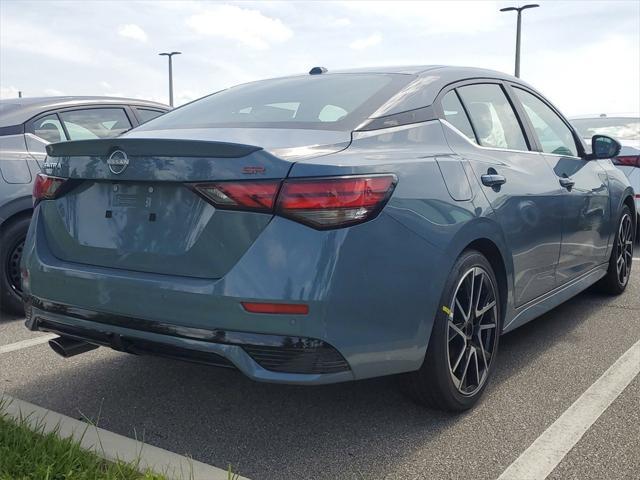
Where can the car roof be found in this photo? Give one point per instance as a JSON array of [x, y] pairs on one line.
[[16, 111], [448, 71], [429, 81]]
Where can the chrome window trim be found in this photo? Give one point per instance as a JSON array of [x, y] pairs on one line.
[[564, 156], [361, 134]]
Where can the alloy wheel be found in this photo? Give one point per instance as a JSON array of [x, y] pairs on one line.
[[472, 330], [624, 254], [12, 267]]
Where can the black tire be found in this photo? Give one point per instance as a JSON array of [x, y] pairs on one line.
[[433, 385], [12, 238], [614, 283]]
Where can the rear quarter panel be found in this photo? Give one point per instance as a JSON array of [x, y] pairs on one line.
[[389, 273]]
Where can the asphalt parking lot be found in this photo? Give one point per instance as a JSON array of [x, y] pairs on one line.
[[360, 430]]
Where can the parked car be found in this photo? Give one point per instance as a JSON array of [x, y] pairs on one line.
[[330, 227], [27, 125], [626, 129]]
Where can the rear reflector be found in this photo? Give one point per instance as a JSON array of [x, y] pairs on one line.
[[46, 187], [322, 203], [255, 196], [627, 161], [278, 308], [325, 203]]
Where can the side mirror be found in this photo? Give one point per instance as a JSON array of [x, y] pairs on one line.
[[604, 147]]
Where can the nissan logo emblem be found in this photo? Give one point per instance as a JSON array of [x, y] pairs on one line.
[[118, 162]]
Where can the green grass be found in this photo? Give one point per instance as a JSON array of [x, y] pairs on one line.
[[26, 452]]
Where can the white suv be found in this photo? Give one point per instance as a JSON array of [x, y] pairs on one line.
[[626, 129]]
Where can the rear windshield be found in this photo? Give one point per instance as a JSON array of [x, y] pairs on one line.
[[618, 127], [327, 102]]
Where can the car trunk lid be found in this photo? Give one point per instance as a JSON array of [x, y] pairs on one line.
[[133, 206]]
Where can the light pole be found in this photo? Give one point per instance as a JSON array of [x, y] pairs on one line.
[[169, 55], [519, 10]]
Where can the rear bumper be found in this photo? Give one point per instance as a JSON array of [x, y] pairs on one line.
[[371, 304], [271, 358]]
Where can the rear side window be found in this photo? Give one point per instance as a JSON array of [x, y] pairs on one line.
[[146, 114], [493, 117], [327, 101], [49, 129], [95, 123], [554, 135], [456, 116]]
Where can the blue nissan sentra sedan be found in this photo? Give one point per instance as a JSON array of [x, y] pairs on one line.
[[329, 227]]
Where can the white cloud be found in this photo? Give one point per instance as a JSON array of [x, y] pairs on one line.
[[184, 96], [133, 31], [53, 92], [599, 91], [29, 38], [8, 92], [366, 42], [105, 84], [341, 22], [249, 27], [430, 17]]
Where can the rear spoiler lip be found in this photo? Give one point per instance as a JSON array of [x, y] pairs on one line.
[[148, 147]]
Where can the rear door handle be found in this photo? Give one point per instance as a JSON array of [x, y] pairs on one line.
[[493, 180], [567, 183]]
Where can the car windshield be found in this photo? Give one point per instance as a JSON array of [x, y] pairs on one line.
[[617, 127], [327, 102]]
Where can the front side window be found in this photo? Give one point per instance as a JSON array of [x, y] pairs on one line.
[[327, 101], [49, 129], [456, 116], [492, 116], [554, 135], [95, 123]]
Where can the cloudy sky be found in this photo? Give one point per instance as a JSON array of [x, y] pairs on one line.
[[584, 55]]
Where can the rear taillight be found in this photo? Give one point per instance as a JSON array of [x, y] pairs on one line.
[[627, 160], [255, 196], [46, 187], [325, 203], [321, 203]]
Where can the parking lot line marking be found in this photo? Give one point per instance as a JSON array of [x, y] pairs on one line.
[[111, 446], [31, 342], [548, 450]]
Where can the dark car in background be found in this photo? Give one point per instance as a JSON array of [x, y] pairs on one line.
[[27, 126]]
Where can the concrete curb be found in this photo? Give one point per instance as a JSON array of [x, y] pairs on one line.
[[112, 446]]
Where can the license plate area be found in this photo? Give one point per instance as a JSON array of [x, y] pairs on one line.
[[137, 196], [133, 217]]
